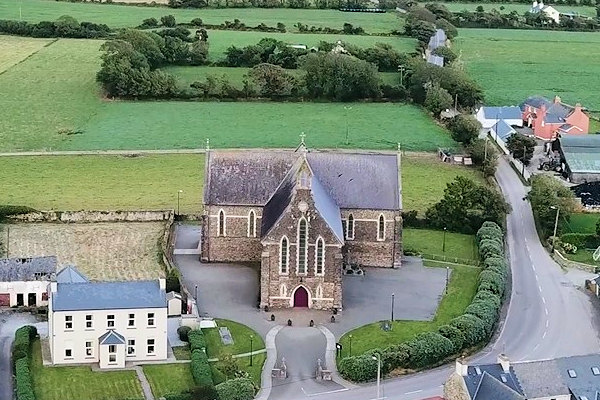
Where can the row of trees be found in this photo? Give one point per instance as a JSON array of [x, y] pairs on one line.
[[321, 4], [65, 27], [461, 333]]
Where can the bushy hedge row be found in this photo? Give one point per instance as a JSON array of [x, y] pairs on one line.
[[236, 389], [581, 240], [196, 340], [201, 369], [21, 353], [65, 26], [463, 332]]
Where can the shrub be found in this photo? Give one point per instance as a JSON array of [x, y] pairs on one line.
[[149, 23], [23, 381], [471, 327], [489, 297], [200, 369], [183, 332], [197, 22], [358, 368], [168, 21], [581, 240], [489, 233], [178, 396], [196, 340], [236, 389], [495, 263], [490, 248], [395, 357], [491, 281], [22, 344], [486, 311], [429, 348], [205, 392], [172, 282], [454, 335]]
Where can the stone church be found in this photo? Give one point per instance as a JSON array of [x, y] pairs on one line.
[[302, 215]]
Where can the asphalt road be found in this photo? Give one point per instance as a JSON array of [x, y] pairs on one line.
[[547, 316]]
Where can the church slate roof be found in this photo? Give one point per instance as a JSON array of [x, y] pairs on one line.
[[327, 208], [353, 180]]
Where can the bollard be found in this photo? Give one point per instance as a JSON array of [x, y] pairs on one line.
[[333, 318], [311, 323], [289, 322], [272, 317]]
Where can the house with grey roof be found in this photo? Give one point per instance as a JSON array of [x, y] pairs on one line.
[[108, 323], [549, 119], [567, 378], [490, 116], [24, 281], [302, 215], [438, 39]]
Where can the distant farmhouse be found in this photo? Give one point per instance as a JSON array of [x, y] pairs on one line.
[[439, 39], [24, 281], [107, 323], [550, 12], [551, 118], [490, 116], [302, 215]]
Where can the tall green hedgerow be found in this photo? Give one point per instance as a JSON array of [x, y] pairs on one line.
[[200, 368], [196, 340], [23, 381]]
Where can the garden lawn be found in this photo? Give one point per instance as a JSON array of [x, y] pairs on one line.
[[14, 49], [81, 383], [169, 378], [103, 182], [424, 178], [241, 339], [520, 8], [430, 242], [118, 16], [503, 62], [461, 289], [583, 256], [582, 223]]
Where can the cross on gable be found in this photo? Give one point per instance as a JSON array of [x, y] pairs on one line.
[[302, 137]]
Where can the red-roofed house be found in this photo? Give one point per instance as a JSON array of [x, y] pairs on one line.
[[550, 118]]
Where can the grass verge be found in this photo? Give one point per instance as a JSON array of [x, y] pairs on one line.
[[241, 339], [169, 378]]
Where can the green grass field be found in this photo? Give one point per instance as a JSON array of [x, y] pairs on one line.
[[582, 223], [424, 179], [520, 8], [241, 339], [81, 383], [169, 378], [461, 289], [15, 49], [103, 182], [118, 16], [431, 242], [55, 91], [514, 64]]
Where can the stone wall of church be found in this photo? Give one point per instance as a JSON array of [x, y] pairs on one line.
[[237, 244], [366, 248]]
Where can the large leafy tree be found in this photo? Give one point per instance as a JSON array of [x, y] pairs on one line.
[[272, 80], [521, 147], [464, 128], [546, 195], [466, 205]]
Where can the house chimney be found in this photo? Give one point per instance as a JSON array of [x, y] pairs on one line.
[[162, 283], [577, 106], [461, 367], [53, 287], [504, 362]]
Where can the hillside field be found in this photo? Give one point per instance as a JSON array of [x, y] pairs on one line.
[[52, 102], [120, 16], [514, 64], [520, 8]]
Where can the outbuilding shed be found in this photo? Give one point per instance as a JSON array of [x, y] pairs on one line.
[[24, 281], [580, 156]]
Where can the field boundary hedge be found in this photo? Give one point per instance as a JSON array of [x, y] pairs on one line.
[[21, 356], [462, 334]]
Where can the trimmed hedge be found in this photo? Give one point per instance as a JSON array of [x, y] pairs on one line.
[[21, 353], [22, 344], [465, 331], [581, 240], [200, 368], [196, 340], [236, 389]]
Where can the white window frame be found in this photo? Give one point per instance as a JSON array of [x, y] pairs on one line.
[[322, 257], [112, 353], [219, 231], [305, 248], [151, 320], [350, 232], [130, 346], [131, 321], [110, 320], [252, 217], [149, 346], [89, 322], [68, 322], [380, 232], [89, 354], [287, 256]]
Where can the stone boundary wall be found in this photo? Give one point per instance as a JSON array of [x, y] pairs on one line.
[[93, 216]]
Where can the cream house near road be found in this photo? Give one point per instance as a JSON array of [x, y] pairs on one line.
[[109, 323]]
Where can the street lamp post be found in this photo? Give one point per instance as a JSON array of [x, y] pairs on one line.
[[377, 358], [444, 241], [251, 338], [393, 294], [178, 199], [196, 294], [350, 338], [347, 128], [447, 279], [555, 226]]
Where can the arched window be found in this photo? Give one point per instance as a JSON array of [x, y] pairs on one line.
[[350, 227], [319, 292], [319, 257], [284, 255], [283, 290], [221, 230], [381, 228], [251, 224], [302, 245]]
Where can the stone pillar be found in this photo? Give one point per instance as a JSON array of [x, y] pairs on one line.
[[205, 236], [337, 279], [265, 278], [397, 240]]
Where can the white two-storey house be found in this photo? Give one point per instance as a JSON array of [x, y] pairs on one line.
[[109, 323]]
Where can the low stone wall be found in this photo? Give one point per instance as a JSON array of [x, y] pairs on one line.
[[94, 216]]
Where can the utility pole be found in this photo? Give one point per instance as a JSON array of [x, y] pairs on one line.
[[456, 102], [555, 226], [347, 128], [523, 161], [401, 69]]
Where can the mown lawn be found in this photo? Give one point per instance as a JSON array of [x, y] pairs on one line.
[[103, 182], [241, 338], [424, 178], [129, 16], [15, 49], [582, 223], [168, 378], [461, 289], [81, 383], [501, 60], [430, 242]]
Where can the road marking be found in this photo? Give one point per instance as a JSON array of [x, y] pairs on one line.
[[540, 287], [536, 346], [544, 335], [545, 309], [329, 392], [414, 391], [547, 323], [544, 301]]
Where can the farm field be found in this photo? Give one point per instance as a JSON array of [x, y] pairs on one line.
[[53, 102], [102, 251], [520, 8], [16, 49], [120, 16], [501, 60], [103, 182]]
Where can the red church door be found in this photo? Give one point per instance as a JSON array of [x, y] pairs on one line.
[[300, 297]]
